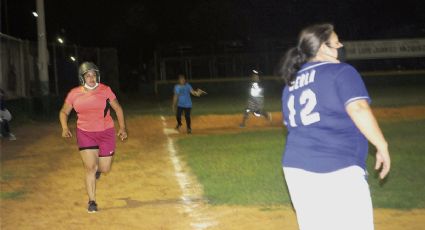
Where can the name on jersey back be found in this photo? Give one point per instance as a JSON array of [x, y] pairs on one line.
[[303, 80]]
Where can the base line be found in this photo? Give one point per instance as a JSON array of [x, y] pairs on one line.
[[191, 190]]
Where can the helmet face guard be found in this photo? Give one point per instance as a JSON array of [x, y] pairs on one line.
[[84, 68]]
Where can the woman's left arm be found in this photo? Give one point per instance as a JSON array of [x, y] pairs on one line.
[[194, 92], [362, 116], [122, 133], [197, 92]]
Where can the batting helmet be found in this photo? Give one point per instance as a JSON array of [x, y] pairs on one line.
[[255, 75], [84, 68]]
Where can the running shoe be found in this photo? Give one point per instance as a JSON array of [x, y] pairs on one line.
[[92, 207], [189, 131], [12, 137]]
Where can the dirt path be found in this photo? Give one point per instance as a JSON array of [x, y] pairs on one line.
[[140, 193], [143, 191], [207, 124]]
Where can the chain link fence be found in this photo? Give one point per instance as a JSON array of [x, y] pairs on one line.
[[219, 60], [17, 66], [19, 75], [225, 66], [19, 71], [231, 59]]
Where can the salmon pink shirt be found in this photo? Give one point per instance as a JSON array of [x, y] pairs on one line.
[[92, 107]]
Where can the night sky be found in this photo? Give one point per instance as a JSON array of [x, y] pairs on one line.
[[136, 27]]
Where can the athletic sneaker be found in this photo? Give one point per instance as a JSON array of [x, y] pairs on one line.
[[189, 131], [242, 126], [12, 137], [178, 127], [98, 175], [92, 207]]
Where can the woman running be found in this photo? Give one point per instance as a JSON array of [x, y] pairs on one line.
[[255, 103], [326, 110], [95, 128]]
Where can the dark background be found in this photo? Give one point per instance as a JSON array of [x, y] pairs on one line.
[[137, 28]]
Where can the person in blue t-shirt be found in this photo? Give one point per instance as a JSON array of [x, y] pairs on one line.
[[326, 110], [182, 101]]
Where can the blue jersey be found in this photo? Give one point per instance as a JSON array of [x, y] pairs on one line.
[[321, 135], [183, 94]]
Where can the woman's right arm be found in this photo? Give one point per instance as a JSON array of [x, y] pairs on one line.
[[174, 105], [63, 117]]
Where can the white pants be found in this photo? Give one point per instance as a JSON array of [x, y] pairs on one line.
[[338, 200]]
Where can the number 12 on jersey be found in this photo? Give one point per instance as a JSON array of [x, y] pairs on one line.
[[307, 102]]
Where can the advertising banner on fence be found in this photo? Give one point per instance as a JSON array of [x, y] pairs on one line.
[[383, 49]]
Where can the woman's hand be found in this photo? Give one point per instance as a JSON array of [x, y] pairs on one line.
[[383, 162], [66, 133], [122, 134], [63, 118], [199, 92]]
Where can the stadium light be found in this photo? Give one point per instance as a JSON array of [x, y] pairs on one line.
[[72, 58], [35, 14], [60, 40]]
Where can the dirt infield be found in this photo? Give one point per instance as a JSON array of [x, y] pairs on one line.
[[44, 175], [230, 123], [139, 193]]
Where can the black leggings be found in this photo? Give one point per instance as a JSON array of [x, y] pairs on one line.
[[5, 130], [186, 116]]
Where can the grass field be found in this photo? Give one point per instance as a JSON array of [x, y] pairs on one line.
[[405, 187], [241, 168], [245, 169]]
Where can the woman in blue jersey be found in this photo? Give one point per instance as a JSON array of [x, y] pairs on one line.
[[326, 110], [182, 101]]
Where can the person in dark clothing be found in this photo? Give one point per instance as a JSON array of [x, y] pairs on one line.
[[5, 117], [255, 104]]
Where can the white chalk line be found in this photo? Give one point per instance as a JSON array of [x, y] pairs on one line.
[[191, 190]]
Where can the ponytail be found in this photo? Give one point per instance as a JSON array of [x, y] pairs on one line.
[[290, 64], [309, 42]]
